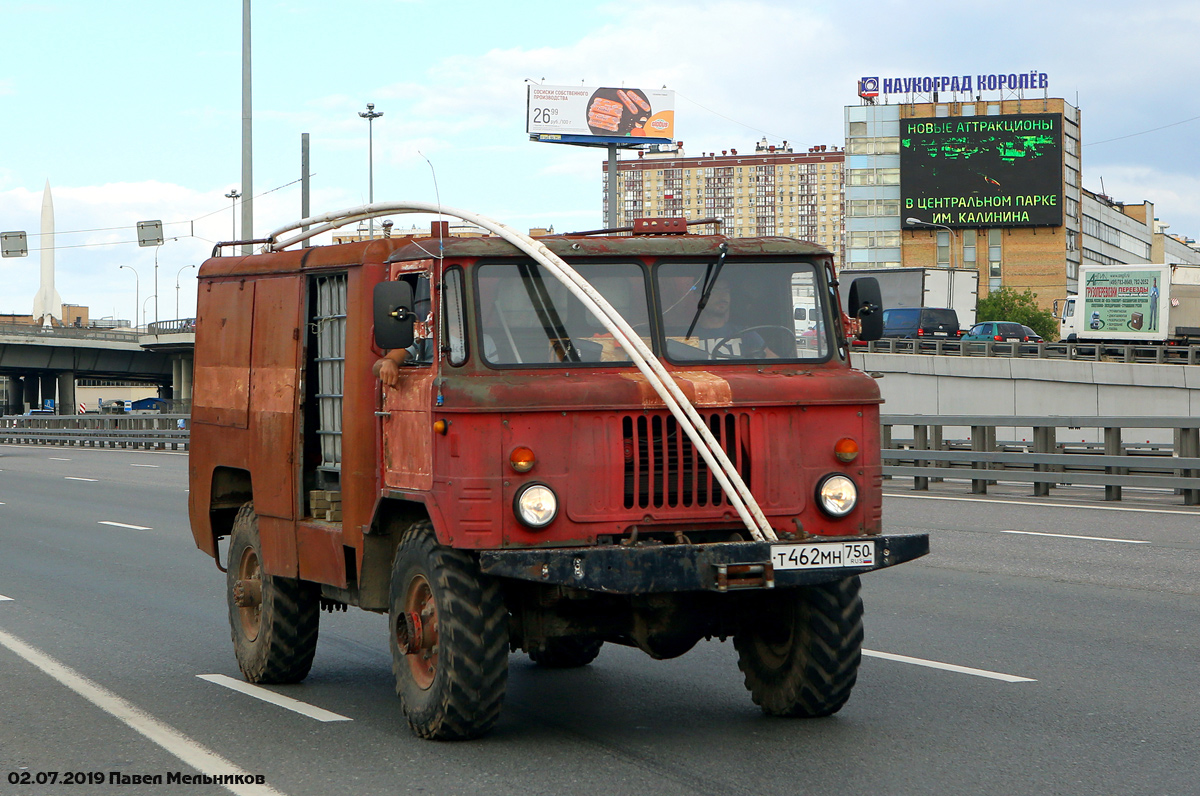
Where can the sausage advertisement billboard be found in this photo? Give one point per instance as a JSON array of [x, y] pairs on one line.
[[603, 112]]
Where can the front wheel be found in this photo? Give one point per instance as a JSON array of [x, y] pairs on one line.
[[273, 620], [800, 655], [449, 639]]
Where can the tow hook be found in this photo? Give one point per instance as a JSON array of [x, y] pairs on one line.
[[247, 593], [409, 631]]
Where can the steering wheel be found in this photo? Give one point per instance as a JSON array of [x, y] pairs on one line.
[[728, 352]]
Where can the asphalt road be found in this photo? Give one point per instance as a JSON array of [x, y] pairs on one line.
[[1078, 661]]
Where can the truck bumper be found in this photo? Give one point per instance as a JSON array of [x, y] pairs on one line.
[[725, 566]]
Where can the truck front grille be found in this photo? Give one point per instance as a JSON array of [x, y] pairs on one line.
[[663, 469]]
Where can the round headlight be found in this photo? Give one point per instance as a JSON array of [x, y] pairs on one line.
[[535, 505], [837, 495]]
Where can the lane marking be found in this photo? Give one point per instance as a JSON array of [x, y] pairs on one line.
[[1042, 505], [188, 751], [77, 478], [124, 525], [143, 465], [295, 705], [57, 459], [1072, 536], [3, 598], [949, 667]]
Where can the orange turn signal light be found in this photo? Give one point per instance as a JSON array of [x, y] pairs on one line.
[[846, 450], [522, 459], [441, 426]]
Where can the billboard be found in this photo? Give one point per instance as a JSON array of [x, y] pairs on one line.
[[601, 112], [1122, 301], [985, 171]]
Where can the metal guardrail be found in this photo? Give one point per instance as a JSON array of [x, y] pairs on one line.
[[929, 455], [146, 432], [1096, 352], [123, 335], [180, 326]]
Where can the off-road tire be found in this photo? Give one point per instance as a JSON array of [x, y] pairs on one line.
[[457, 694], [276, 644], [800, 654], [566, 653]]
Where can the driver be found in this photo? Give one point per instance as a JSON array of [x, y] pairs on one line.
[[722, 339]]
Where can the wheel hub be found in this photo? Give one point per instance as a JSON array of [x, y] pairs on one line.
[[247, 593], [417, 631]]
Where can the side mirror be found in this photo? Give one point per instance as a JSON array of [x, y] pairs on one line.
[[866, 304], [394, 316]]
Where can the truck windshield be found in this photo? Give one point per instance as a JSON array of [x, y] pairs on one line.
[[529, 318], [756, 312]]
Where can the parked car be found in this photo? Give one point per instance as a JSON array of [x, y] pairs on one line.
[[1033, 336], [921, 322]]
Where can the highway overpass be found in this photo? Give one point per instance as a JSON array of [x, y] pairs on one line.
[[39, 363]]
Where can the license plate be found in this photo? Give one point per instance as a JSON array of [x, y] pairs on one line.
[[828, 555], [941, 334]]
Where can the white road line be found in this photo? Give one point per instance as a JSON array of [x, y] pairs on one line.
[[1088, 538], [949, 667], [57, 459], [188, 751], [77, 478], [303, 708], [143, 465], [1041, 505], [124, 525], [3, 598]]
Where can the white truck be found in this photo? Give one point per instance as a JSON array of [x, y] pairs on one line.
[[1146, 303], [953, 288]]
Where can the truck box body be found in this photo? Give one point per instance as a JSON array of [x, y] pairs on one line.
[[1149, 303], [952, 288]]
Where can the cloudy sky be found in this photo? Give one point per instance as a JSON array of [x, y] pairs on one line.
[[132, 110]]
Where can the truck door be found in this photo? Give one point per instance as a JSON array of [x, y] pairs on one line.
[[407, 425]]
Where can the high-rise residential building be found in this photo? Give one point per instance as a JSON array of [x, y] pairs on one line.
[[771, 190]]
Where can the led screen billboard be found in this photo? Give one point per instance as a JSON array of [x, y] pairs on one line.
[[983, 171]]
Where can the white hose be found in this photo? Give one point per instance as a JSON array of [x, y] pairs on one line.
[[689, 419]]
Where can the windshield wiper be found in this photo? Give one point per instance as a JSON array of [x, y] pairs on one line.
[[712, 270]]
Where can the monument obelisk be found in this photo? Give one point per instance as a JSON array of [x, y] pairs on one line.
[[47, 303]]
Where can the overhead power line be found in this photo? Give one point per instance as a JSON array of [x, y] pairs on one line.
[[1143, 132], [56, 233]]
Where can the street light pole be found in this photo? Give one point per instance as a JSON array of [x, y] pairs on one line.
[[135, 294], [144, 303], [919, 222], [371, 115], [177, 273], [233, 195]]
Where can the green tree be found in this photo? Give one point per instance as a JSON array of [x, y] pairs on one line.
[[1007, 304]]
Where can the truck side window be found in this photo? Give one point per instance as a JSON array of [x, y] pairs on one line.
[[421, 352], [454, 316]]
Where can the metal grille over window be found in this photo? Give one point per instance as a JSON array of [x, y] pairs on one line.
[[663, 469], [330, 321]]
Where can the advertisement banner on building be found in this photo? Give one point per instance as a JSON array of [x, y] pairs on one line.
[[601, 112], [983, 171], [1123, 301]]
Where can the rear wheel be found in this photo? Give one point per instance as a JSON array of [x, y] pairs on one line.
[[800, 655], [566, 653], [449, 639], [273, 620]]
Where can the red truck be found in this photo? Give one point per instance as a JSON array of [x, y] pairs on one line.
[[532, 481]]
